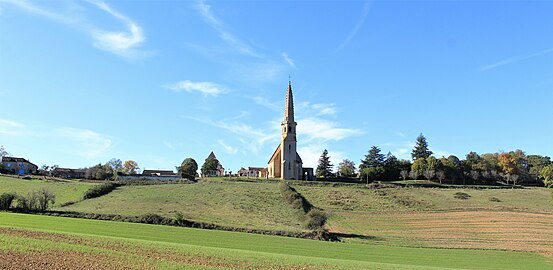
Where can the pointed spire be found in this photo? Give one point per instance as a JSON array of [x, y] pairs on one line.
[[289, 109]]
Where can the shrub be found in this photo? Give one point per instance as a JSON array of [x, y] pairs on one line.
[[99, 190], [36, 201], [461, 196], [6, 200], [315, 219], [179, 219], [154, 219], [44, 198]]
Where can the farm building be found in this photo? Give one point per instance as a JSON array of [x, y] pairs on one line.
[[19, 166]]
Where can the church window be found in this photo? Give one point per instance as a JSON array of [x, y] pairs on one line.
[[289, 147], [289, 166]]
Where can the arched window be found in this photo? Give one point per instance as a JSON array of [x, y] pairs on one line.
[[289, 147]]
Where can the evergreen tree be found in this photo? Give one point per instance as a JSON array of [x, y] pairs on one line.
[[372, 159], [421, 148], [391, 168], [324, 169]]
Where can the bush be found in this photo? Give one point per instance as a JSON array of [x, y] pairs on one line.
[[154, 219], [294, 198], [315, 219], [36, 201], [99, 190], [462, 196], [6, 200]]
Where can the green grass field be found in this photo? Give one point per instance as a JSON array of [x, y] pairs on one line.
[[238, 204], [65, 190], [129, 245], [491, 219]]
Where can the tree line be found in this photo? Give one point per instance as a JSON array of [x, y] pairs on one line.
[[514, 167]]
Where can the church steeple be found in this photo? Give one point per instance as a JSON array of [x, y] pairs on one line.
[[289, 108]]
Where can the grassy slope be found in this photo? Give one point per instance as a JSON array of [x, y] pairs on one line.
[[520, 219], [428, 199], [240, 204], [65, 191], [265, 249]]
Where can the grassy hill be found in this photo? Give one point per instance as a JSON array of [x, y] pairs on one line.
[[501, 219], [42, 241], [65, 190], [238, 204], [507, 219]]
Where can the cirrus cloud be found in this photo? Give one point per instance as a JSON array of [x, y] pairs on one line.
[[205, 88]]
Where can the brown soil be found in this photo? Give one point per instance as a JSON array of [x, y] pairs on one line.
[[517, 231], [123, 255], [58, 259]]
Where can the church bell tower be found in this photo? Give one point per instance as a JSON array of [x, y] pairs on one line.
[[291, 165]]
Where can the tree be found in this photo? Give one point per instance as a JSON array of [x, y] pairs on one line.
[[3, 152], [421, 148], [452, 167], [99, 172], [346, 168], [508, 164], [536, 163], [188, 169], [433, 165], [392, 168], [372, 159], [115, 164], [324, 169], [210, 164], [130, 167], [372, 173], [547, 175], [418, 168], [45, 199]]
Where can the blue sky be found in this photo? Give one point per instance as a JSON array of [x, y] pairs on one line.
[[158, 81]]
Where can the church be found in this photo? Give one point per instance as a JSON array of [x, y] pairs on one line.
[[286, 163]]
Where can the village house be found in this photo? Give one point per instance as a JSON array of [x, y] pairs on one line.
[[68, 173], [19, 166], [219, 171], [158, 173]]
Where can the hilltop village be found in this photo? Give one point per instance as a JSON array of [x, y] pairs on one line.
[[511, 168]]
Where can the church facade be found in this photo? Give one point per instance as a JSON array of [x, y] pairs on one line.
[[286, 163]]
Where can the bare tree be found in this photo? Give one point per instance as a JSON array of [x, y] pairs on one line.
[[44, 199], [429, 174], [404, 174], [440, 175]]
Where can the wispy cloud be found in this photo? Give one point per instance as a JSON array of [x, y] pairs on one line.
[[205, 88], [313, 129], [229, 149], [360, 22], [317, 109], [515, 59], [401, 134], [122, 43], [225, 34], [266, 103], [253, 138], [288, 60], [87, 143], [11, 128]]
